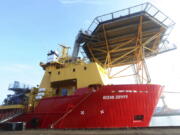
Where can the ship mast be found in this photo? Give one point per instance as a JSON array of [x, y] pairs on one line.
[[64, 51]]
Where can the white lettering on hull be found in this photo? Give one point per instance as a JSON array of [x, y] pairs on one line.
[[115, 97], [129, 91]]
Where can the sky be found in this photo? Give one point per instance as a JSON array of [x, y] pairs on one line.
[[30, 28]]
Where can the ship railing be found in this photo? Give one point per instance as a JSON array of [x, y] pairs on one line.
[[148, 8], [163, 47], [166, 46], [6, 116], [20, 86]]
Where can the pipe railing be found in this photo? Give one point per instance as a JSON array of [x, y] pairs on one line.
[[148, 8]]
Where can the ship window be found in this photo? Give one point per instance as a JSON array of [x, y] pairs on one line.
[[85, 68], [74, 69], [58, 67], [57, 91], [64, 92], [139, 117], [59, 73]]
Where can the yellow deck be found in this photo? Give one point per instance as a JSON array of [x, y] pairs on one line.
[[3, 107]]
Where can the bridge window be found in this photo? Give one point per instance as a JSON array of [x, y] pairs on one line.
[[59, 73], [85, 68], [74, 70], [64, 92]]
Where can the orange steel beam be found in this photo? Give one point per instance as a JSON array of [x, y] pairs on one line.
[[152, 38], [96, 60], [125, 38], [109, 31], [112, 76], [121, 45], [100, 50], [124, 76], [138, 53], [124, 55], [108, 57], [123, 49], [157, 40]]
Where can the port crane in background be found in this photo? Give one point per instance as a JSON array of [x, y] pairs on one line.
[[165, 110]]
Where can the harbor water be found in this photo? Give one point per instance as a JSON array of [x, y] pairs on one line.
[[165, 121]]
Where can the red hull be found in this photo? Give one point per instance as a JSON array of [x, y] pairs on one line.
[[111, 106]]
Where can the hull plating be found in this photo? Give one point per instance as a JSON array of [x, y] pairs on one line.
[[111, 106]]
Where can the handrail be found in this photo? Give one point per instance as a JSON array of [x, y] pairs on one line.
[[146, 7], [10, 115]]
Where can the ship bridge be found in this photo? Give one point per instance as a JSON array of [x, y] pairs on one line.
[[127, 37]]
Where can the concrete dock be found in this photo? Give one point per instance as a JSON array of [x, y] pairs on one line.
[[122, 131]]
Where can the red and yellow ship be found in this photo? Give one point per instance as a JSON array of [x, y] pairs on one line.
[[75, 92]]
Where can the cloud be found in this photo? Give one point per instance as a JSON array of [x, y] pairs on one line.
[[66, 2]]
